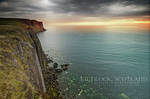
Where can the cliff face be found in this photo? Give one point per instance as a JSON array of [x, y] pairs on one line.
[[21, 59]]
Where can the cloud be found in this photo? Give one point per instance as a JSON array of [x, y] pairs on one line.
[[121, 9], [74, 7], [4, 4], [103, 7]]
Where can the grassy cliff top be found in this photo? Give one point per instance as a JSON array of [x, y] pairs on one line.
[[34, 25]]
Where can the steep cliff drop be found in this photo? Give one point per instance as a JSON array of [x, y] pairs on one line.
[[22, 61]]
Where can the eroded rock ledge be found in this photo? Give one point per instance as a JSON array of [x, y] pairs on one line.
[[23, 63]]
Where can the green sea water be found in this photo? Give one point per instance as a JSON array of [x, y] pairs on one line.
[[104, 65]]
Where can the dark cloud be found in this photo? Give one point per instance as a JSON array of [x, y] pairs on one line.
[[93, 6], [81, 7], [2, 0]]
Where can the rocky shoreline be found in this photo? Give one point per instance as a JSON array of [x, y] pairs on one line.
[[50, 74], [24, 69]]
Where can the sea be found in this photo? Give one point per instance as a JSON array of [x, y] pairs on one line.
[[103, 64]]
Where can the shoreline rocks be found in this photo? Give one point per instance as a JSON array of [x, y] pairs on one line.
[[65, 66]]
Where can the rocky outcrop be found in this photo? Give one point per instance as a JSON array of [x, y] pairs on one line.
[[22, 61], [36, 26]]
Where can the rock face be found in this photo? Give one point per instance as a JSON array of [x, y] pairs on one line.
[[33, 23], [22, 60]]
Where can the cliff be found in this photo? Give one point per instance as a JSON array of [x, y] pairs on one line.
[[23, 63]]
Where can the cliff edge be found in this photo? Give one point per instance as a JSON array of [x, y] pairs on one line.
[[22, 61]]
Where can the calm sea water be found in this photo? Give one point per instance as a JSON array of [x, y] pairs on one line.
[[104, 65]]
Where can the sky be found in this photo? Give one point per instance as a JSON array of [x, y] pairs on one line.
[[98, 13]]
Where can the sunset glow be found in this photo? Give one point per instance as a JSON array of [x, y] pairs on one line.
[[113, 24], [117, 22], [143, 22]]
